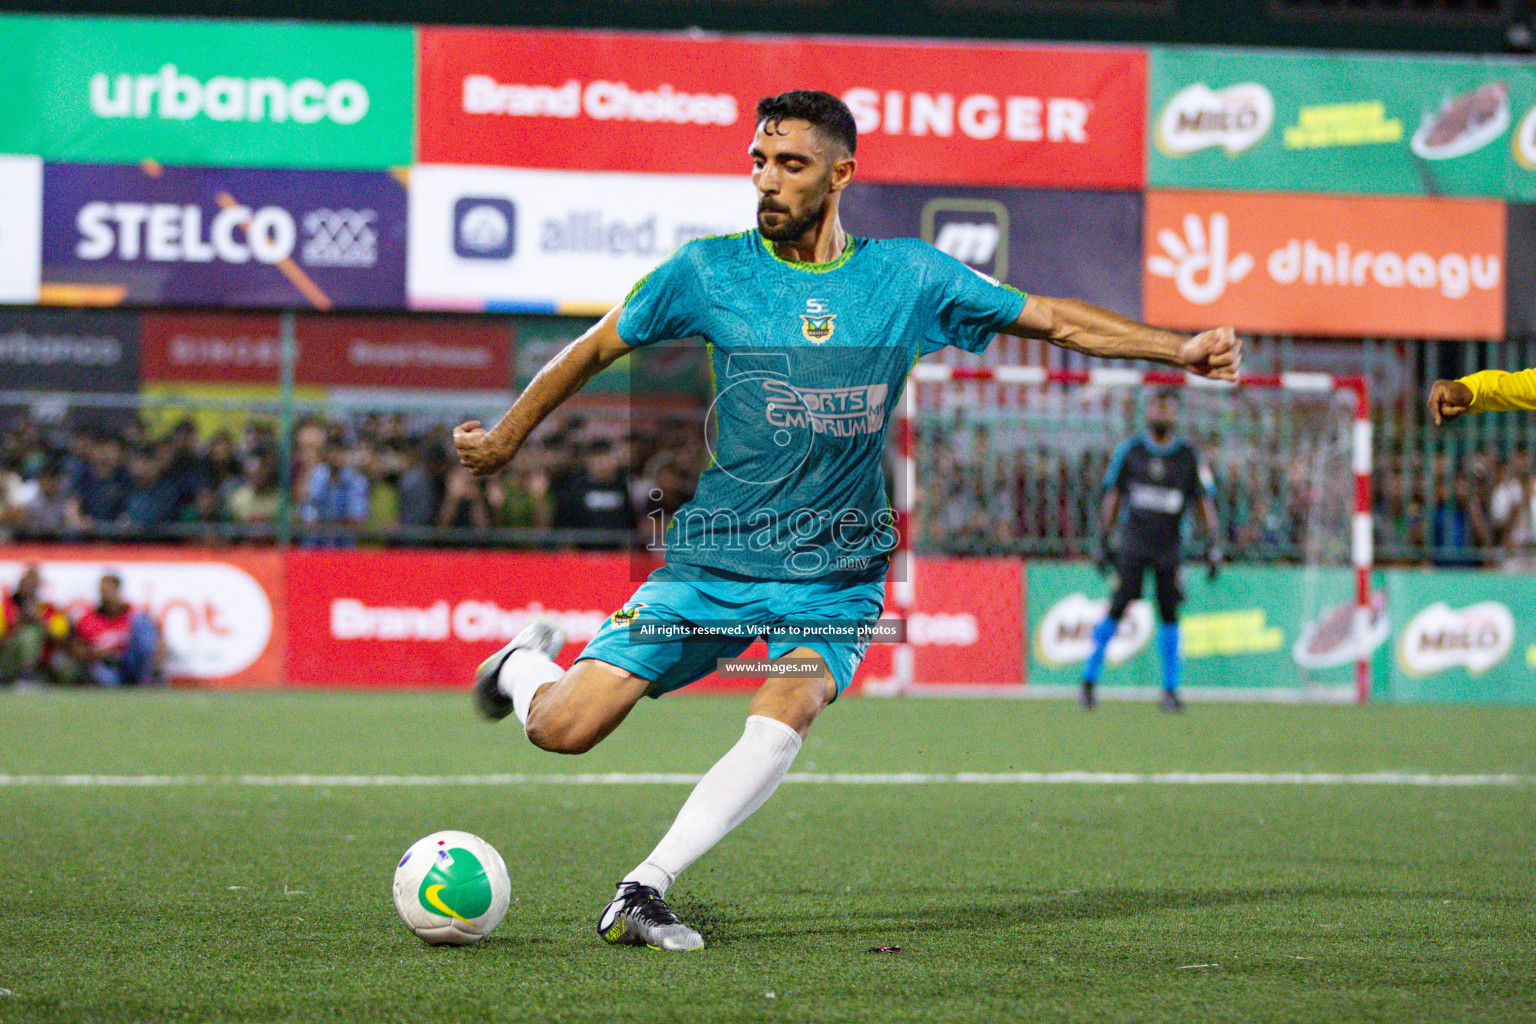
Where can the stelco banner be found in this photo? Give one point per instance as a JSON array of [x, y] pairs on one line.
[[1329, 266], [1033, 240], [217, 93], [976, 114], [155, 235], [1297, 122], [550, 241]]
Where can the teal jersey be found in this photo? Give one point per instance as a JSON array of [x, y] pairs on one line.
[[809, 361]]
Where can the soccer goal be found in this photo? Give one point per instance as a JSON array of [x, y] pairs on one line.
[[1007, 461]]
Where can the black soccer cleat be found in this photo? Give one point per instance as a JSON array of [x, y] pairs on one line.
[[542, 634], [1087, 700], [638, 916], [1170, 701]]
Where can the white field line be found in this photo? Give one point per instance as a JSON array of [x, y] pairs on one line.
[[826, 779]]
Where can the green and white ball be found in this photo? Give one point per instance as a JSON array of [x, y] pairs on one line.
[[452, 889]]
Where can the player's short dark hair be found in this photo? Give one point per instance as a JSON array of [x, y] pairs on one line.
[[1166, 394], [825, 112]]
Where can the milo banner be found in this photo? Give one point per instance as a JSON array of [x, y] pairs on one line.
[[1300, 122], [1282, 629], [152, 235], [1462, 637], [221, 93]]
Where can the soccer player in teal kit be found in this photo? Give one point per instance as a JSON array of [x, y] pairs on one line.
[[812, 334]]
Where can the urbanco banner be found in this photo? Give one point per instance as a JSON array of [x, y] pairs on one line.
[[972, 114], [1033, 239], [222, 616], [1326, 265], [491, 238], [207, 92], [1342, 123], [152, 235]]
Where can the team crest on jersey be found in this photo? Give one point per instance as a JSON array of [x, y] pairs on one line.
[[627, 613], [817, 322], [1157, 469]]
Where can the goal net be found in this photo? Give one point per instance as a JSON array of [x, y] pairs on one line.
[[1009, 463]]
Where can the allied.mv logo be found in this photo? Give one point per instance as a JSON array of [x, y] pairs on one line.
[[484, 228], [818, 321]]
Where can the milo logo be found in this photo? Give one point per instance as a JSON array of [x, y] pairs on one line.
[[172, 96], [457, 886]]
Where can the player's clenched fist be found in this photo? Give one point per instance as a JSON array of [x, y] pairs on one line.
[[1448, 399], [477, 452], [1217, 354]]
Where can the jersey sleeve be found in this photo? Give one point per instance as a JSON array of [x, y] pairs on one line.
[[969, 308], [1114, 476], [1497, 391], [665, 304]]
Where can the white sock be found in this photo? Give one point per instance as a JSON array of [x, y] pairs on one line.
[[725, 797], [521, 675]]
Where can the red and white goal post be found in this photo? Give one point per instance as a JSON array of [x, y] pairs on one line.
[[903, 587]]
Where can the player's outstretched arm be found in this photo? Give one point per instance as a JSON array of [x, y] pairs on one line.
[[1091, 329], [487, 451], [1448, 400]]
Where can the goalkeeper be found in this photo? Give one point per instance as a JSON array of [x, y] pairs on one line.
[[1155, 475], [1488, 391]]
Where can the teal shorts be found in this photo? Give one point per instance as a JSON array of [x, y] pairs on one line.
[[693, 594]]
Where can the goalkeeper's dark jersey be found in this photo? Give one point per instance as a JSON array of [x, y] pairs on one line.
[[1156, 484]]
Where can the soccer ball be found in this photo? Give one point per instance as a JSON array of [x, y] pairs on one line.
[[452, 889]]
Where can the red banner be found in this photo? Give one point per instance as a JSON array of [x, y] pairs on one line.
[[453, 353], [222, 615], [391, 619], [930, 113]]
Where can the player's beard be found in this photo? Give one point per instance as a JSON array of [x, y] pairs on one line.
[[793, 228]]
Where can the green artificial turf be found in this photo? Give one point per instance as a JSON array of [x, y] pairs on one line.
[[211, 900]]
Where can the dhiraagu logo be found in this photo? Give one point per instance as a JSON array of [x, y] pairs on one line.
[[457, 886]]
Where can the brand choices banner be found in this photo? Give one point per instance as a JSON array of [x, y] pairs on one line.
[[1265, 121], [1326, 265], [550, 241], [1032, 239], [975, 114], [151, 235], [205, 92], [1462, 637]]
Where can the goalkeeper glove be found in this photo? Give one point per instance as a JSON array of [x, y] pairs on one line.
[[1102, 559], [1212, 562]]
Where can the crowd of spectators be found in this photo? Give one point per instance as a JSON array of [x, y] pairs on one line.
[[608, 481], [110, 643], [373, 479]]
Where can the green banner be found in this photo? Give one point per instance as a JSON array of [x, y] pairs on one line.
[[1462, 637], [210, 93], [1260, 628], [1299, 122]]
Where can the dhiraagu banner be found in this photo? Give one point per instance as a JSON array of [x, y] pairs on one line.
[[208, 93], [1313, 122], [1282, 629]]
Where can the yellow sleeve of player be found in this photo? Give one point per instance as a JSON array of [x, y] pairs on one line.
[[1497, 391]]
